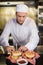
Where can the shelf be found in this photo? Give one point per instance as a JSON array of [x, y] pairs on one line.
[[40, 11], [40, 15], [1, 50], [40, 6], [39, 24], [40, 49]]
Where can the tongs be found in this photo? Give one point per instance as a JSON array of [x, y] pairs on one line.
[[16, 47]]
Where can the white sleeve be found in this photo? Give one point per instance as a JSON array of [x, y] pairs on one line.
[[34, 37], [5, 35]]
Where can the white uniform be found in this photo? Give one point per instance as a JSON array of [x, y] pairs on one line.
[[25, 34]]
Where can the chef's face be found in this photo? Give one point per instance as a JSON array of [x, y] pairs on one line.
[[20, 17]]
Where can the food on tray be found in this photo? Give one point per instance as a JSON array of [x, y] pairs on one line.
[[16, 54], [22, 61], [29, 54]]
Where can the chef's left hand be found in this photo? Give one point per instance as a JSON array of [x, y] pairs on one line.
[[22, 48]]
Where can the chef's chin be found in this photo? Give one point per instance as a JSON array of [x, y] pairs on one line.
[[20, 23]]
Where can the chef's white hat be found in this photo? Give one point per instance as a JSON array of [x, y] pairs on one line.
[[21, 8]]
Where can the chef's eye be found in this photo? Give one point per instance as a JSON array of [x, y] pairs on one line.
[[19, 16], [23, 16]]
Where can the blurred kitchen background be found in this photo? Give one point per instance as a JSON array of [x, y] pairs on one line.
[[35, 11]]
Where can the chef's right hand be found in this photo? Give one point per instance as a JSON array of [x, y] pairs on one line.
[[9, 49]]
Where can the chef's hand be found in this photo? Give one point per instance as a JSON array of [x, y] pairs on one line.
[[22, 48], [9, 49]]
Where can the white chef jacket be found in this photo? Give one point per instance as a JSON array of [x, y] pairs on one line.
[[25, 34]]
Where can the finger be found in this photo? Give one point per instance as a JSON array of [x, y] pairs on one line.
[[19, 49]]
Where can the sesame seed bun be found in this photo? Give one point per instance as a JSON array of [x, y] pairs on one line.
[[29, 54], [16, 54]]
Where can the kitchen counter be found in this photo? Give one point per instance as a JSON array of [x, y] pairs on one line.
[[4, 61], [40, 60]]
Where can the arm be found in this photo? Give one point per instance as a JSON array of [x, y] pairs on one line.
[[5, 35], [34, 37]]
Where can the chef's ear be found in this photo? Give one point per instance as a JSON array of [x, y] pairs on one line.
[[16, 12]]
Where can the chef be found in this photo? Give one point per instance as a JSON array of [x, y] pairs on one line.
[[23, 30]]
